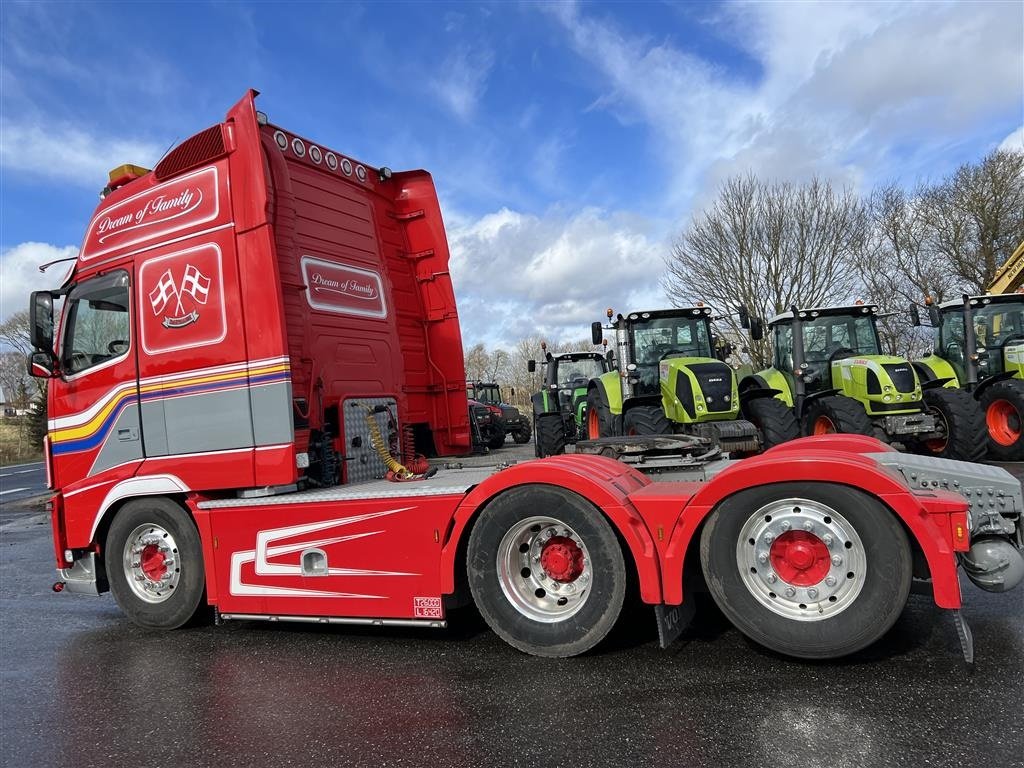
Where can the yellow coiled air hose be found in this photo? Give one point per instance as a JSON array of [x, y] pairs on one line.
[[377, 441]]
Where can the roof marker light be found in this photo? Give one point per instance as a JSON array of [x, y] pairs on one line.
[[281, 139], [261, 118], [315, 154], [298, 147], [346, 166], [360, 173], [332, 161], [384, 173]]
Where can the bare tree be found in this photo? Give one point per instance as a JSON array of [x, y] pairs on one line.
[[768, 246]]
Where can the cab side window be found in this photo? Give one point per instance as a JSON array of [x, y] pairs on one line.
[[97, 326]]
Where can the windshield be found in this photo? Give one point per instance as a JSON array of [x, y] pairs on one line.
[[825, 336], [96, 326], [490, 393], [677, 336], [571, 373]]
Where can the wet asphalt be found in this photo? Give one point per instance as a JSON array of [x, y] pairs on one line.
[[80, 686]]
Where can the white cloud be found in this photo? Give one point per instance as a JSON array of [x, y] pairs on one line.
[[69, 154], [461, 80], [516, 274], [847, 91], [20, 275], [1014, 142]]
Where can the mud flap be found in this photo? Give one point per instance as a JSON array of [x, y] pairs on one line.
[[964, 633], [672, 620]]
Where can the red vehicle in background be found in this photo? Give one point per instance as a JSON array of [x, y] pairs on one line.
[[260, 344]]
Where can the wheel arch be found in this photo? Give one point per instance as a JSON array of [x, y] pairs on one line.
[[852, 470], [600, 481]]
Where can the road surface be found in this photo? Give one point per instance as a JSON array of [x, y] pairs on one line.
[[21, 481]]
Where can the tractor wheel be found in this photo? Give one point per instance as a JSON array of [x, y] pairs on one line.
[[1003, 404], [154, 562], [646, 420], [835, 413], [497, 438], [600, 422], [962, 423], [550, 435], [521, 436], [546, 571], [774, 420], [811, 570]]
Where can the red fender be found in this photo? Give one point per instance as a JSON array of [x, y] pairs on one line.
[[603, 482], [930, 516]]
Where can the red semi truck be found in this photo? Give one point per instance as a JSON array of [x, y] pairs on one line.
[[260, 334]]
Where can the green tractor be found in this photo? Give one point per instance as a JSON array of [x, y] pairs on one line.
[[979, 348], [668, 381], [828, 368], [560, 408]]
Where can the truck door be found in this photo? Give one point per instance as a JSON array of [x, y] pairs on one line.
[[95, 421]]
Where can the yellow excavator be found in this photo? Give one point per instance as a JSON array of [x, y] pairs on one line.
[[1010, 276]]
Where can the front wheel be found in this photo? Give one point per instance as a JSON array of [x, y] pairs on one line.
[[550, 435], [1003, 404], [496, 439], [154, 563], [646, 420], [521, 436], [774, 420], [811, 570], [546, 571], [961, 422], [833, 414], [599, 416]]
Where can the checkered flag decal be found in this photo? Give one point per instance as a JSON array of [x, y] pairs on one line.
[[165, 291], [195, 284]]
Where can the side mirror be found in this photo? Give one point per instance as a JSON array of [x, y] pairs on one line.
[[933, 314], [41, 365], [744, 314], [40, 310], [596, 333], [756, 328], [531, 365], [915, 315]]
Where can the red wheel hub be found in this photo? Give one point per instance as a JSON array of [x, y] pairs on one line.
[[152, 562], [562, 559], [823, 426], [800, 558], [593, 424], [1003, 422]]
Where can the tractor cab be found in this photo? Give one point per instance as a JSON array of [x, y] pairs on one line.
[[560, 407], [981, 336]]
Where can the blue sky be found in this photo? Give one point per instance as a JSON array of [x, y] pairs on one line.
[[569, 142]]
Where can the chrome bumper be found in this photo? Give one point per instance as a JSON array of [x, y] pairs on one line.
[[81, 578]]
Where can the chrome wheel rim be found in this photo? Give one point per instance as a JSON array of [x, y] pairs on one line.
[[150, 561], [801, 559], [544, 569]]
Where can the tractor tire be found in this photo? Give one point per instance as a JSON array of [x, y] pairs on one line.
[[963, 424], [770, 553], [496, 439], [600, 421], [550, 435], [154, 563], [546, 571], [837, 414], [1003, 406], [646, 420], [775, 421], [521, 436]]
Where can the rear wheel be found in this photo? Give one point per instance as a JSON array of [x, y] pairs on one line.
[[646, 420], [811, 570], [599, 416], [154, 563], [837, 414], [496, 438], [546, 571], [961, 424], [774, 420], [521, 436], [550, 435], [1003, 404]]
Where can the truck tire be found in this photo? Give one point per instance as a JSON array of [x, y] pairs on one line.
[[646, 420], [836, 413], [496, 439], [600, 422], [963, 423], [1003, 405], [550, 435], [775, 421], [837, 573], [154, 563], [546, 571]]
